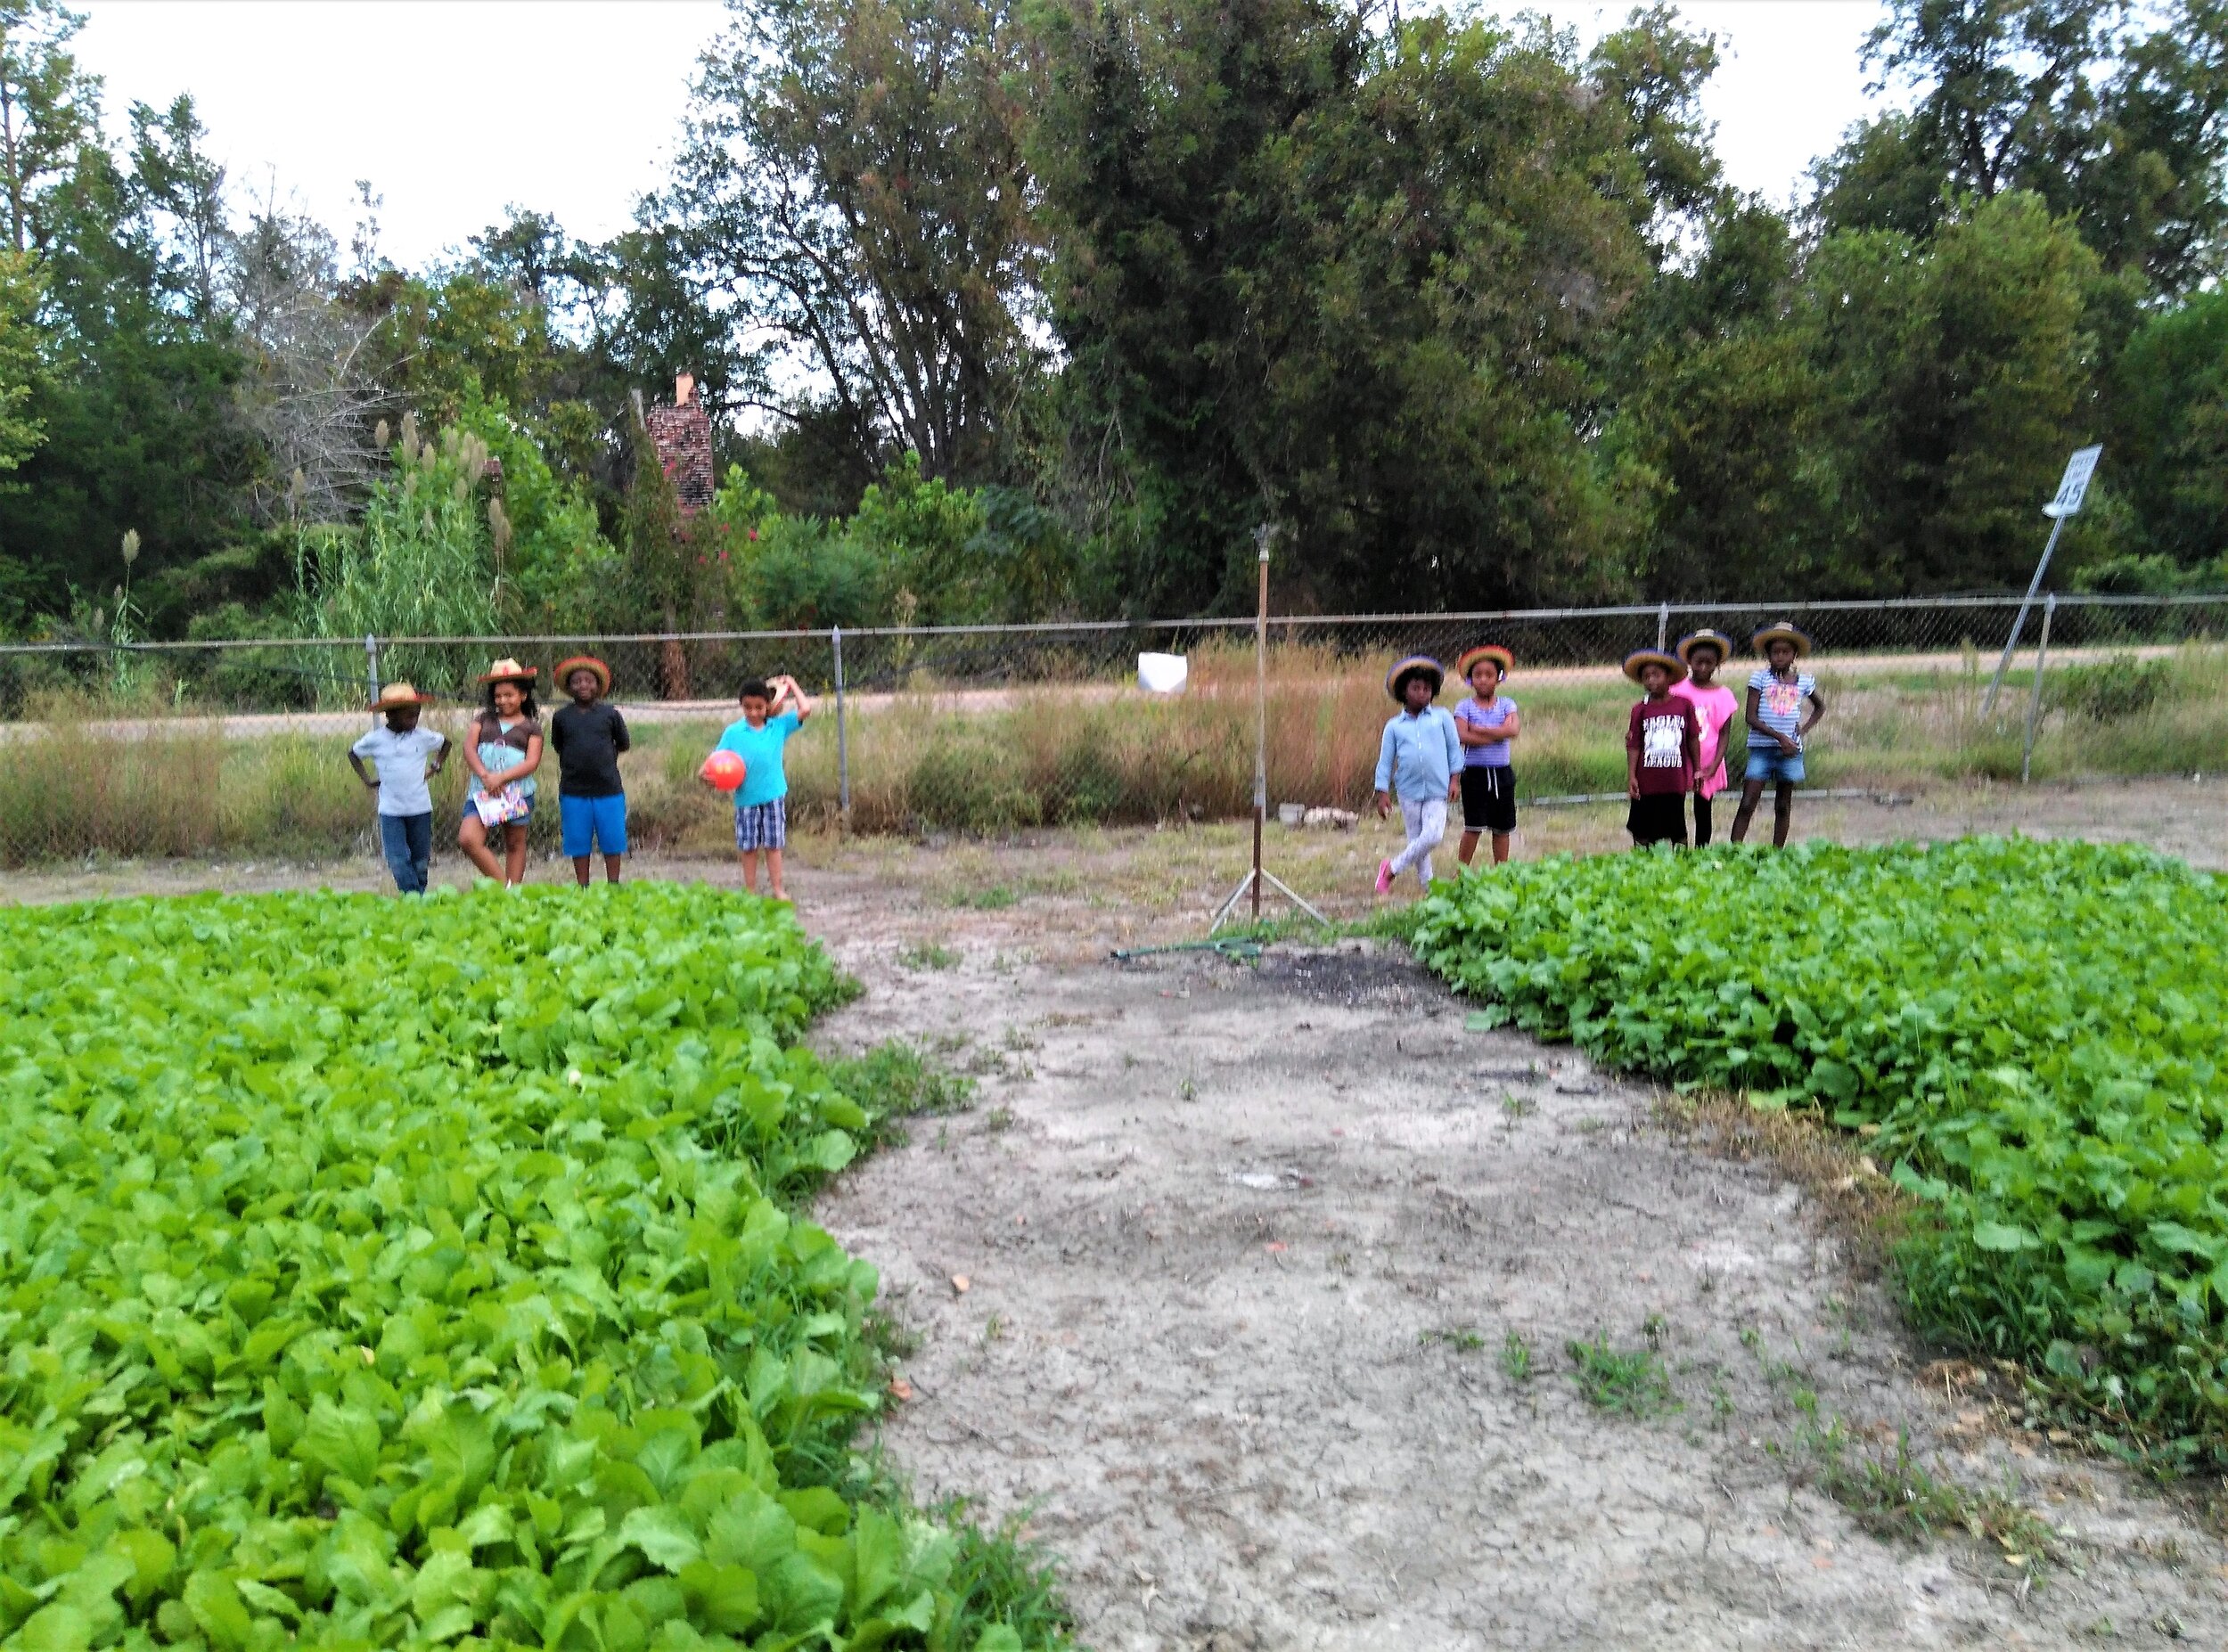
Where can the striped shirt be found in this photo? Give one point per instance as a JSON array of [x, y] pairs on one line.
[[1779, 705]]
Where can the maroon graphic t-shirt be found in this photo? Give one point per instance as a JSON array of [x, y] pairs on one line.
[[1659, 734]]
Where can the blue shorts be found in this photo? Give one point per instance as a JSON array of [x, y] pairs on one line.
[[1771, 764], [590, 821]]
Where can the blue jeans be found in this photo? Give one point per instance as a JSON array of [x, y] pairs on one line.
[[406, 841]]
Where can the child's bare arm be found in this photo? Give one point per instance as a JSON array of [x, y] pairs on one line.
[[371, 781], [440, 757], [1817, 711], [471, 761], [796, 697]]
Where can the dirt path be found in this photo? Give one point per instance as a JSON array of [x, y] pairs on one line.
[[1243, 1247]]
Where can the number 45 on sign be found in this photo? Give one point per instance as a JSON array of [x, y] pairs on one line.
[[2072, 488]]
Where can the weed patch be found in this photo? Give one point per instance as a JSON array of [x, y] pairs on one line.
[[1632, 1382]]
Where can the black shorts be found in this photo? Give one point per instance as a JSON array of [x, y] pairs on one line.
[[1659, 819], [1489, 801]]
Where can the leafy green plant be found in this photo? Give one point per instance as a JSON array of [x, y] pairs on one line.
[[2033, 1030], [1515, 1357], [395, 1271]]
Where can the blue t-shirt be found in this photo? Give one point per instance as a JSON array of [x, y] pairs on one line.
[[1495, 755], [760, 750]]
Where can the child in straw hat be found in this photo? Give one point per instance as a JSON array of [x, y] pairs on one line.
[[1714, 708], [502, 750], [1662, 741], [1419, 761], [1784, 705], [400, 753], [1485, 722], [588, 734]]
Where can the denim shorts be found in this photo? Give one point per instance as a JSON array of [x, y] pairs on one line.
[[592, 822], [1771, 763]]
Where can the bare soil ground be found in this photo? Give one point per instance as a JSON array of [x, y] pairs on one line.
[[1243, 1247]]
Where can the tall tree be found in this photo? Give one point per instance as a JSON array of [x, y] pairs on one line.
[[1366, 283], [853, 181], [2076, 102], [49, 110], [1956, 377]]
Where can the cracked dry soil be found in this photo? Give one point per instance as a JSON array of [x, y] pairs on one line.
[[1243, 1247]]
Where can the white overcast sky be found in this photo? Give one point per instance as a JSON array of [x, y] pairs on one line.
[[454, 108]]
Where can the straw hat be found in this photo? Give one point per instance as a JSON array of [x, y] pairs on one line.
[[510, 671], [1414, 665], [1778, 632], [562, 674], [399, 694], [1671, 663], [1470, 657], [1705, 638]]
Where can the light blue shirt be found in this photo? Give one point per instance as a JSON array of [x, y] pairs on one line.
[[1418, 755], [760, 749]]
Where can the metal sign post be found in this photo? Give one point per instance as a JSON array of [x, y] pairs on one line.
[[2072, 488], [1252, 881]]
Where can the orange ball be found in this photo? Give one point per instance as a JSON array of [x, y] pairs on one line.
[[723, 769]]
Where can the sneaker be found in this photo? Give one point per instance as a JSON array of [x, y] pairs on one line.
[[1384, 877]]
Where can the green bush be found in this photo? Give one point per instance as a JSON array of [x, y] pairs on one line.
[[2123, 686]]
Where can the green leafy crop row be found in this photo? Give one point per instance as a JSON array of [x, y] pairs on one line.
[[377, 1272], [2035, 1032]]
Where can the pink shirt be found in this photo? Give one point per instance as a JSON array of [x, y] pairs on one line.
[[1713, 708]]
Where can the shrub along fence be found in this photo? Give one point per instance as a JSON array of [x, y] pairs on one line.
[[239, 746]]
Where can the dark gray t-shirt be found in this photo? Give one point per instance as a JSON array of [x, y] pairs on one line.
[[588, 740]]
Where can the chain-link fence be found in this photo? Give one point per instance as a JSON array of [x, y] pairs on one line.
[[216, 747]]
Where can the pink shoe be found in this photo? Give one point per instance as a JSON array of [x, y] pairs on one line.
[[1384, 877]]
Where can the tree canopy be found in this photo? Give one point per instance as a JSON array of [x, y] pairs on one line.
[[1010, 312]]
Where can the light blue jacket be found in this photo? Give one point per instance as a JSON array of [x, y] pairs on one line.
[[1419, 755]]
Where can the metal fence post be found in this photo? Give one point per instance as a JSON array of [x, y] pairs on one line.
[[843, 732], [371, 662], [1663, 627], [2035, 705]]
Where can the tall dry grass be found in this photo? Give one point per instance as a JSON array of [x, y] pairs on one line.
[[1050, 756]]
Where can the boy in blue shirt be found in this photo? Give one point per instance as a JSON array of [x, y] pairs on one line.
[[1419, 761], [771, 713]]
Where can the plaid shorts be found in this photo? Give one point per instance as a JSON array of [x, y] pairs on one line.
[[762, 825]]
